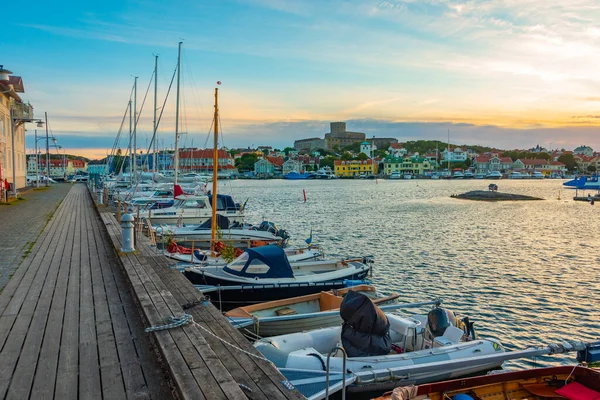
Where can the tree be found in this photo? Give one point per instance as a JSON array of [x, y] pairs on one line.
[[246, 162], [346, 156], [362, 156], [468, 162], [591, 168], [288, 149], [568, 160], [328, 161], [381, 153], [543, 156], [353, 148]]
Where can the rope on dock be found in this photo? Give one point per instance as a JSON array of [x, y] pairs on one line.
[[175, 323], [230, 344]]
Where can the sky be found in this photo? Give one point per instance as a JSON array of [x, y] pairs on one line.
[[502, 73]]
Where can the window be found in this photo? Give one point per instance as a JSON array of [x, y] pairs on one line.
[[238, 263], [257, 267]]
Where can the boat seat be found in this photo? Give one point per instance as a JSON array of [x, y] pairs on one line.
[[452, 335], [328, 301], [285, 311]]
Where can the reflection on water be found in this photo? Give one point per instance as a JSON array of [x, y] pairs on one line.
[[526, 272]]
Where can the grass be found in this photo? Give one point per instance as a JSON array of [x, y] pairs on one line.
[[28, 246]]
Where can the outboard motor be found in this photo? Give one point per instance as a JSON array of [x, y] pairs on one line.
[[366, 329], [439, 319]]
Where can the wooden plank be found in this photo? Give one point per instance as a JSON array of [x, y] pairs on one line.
[[20, 332], [110, 369], [68, 358], [22, 379]]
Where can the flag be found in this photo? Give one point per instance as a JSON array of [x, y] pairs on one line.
[[309, 240]]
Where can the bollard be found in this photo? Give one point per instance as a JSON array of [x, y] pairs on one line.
[[127, 238], [100, 196]]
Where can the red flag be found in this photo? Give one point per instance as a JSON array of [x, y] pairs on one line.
[[177, 191]]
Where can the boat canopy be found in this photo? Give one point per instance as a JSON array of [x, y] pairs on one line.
[[222, 223], [261, 262], [224, 202]]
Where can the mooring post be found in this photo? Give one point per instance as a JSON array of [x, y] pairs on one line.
[[100, 196], [127, 238]]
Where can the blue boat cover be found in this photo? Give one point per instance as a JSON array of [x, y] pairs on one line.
[[262, 262]]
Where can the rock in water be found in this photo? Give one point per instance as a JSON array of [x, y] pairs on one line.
[[485, 195]]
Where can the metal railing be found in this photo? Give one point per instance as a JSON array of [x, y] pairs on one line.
[[21, 110]]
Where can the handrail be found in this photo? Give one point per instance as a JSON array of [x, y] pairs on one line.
[[335, 349]]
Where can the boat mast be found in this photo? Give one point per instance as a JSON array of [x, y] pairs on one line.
[[176, 166], [213, 238], [130, 155], [448, 155], [154, 124], [135, 125]]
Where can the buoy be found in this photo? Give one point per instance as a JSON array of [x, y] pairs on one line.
[[304, 193]]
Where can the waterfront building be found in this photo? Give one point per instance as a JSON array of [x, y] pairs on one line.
[[584, 150], [97, 167], [13, 158], [291, 165], [584, 162], [414, 165], [355, 168], [201, 160], [456, 154], [538, 149], [269, 166], [486, 164], [307, 162]]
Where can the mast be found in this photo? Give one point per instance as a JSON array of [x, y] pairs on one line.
[[213, 230], [135, 125], [176, 166], [130, 155], [154, 124], [448, 155]]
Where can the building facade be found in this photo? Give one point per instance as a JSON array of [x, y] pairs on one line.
[[201, 160], [354, 168], [309, 145], [291, 165], [339, 137], [407, 165], [14, 113], [486, 164]]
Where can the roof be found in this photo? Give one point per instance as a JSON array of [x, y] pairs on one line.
[[277, 161], [17, 83], [396, 146], [201, 153], [533, 161]]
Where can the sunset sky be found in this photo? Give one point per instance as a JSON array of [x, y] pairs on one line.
[[509, 74]]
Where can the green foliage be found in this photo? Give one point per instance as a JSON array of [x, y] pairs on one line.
[[118, 161], [346, 156], [362, 156], [468, 162], [543, 156], [352, 148], [246, 162], [381, 153], [288, 149], [327, 162], [591, 168], [568, 160]]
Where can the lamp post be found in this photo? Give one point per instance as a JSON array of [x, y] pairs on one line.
[[37, 157], [17, 119]]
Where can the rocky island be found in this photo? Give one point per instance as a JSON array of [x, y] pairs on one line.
[[489, 195]]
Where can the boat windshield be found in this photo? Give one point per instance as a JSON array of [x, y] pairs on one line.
[[239, 263], [256, 266]]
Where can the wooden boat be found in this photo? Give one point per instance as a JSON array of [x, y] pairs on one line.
[[571, 382], [313, 311]]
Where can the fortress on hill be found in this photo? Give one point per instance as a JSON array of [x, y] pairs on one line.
[[339, 137]]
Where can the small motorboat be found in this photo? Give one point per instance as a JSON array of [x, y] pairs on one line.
[[494, 175], [265, 273], [570, 382], [313, 311]]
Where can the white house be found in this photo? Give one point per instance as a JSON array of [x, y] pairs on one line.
[[368, 149], [455, 155], [485, 164], [396, 150], [291, 165]]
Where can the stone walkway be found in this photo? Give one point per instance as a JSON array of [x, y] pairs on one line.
[[22, 222]]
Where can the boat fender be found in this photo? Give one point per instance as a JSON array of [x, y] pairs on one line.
[[462, 396]]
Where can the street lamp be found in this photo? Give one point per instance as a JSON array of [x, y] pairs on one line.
[[16, 119]]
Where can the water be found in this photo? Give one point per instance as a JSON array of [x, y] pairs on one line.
[[526, 272]]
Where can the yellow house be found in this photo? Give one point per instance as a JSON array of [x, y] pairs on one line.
[[348, 168]]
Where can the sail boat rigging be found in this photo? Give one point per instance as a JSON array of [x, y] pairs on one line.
[[176, 159], [215, 174]]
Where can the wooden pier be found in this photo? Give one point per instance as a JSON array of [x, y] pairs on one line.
[[72, 323]]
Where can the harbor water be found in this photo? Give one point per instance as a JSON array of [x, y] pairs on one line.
[[526, 272]]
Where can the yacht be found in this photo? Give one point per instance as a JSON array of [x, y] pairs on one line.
[[325, 173], [458, 175], [395, 175], [468, 175], [537, 175], [408, 176], [494, 175], [515, 175]]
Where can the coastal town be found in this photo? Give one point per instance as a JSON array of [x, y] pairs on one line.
[[347, 238]]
